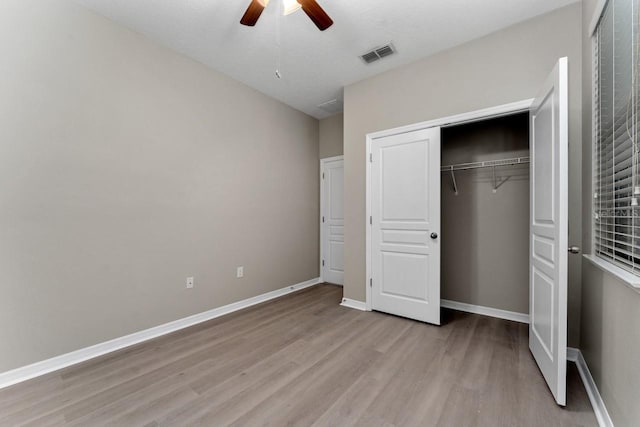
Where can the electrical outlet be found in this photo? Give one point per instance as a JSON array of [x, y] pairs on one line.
[[240, 272], [190, 282]]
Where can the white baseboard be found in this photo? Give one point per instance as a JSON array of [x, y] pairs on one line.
[[59, 362], [486, 311], [599, 408], [351, 303]]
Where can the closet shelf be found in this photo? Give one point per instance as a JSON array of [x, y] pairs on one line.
[[485, 164]]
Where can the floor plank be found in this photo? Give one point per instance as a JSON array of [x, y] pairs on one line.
[[305, 360]]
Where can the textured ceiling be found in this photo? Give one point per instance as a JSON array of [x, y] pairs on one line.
[[314, 65]]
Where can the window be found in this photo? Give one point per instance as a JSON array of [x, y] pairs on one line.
[[616, 151]]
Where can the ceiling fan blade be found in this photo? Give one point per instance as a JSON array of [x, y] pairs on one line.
[[253, 12], [316, 13]]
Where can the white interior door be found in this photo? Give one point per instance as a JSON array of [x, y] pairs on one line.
[[549, 230], [405, 225], [332, 225]]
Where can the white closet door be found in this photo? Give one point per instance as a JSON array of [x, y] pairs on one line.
[[333, 221], [549, 230], [405, 225]]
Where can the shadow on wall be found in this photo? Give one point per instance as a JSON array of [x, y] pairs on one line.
[[592, 340]]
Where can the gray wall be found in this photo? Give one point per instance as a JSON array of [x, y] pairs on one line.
[[610, 331], [610, 342], [506, 66], [332, 136], [485, 235], [127, 168]]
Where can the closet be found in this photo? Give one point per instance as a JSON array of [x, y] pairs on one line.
[[471, 211], [485, 199]]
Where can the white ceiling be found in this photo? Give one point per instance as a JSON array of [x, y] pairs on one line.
[[315, 66]]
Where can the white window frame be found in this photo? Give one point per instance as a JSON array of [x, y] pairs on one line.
[[627, 277]]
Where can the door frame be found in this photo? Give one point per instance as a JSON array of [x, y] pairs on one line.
[[323, 165], [472, 116]]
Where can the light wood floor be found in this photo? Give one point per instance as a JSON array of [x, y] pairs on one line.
[[305, 360]]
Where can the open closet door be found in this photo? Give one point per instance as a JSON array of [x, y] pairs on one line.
[[405, 225], [549, 230]]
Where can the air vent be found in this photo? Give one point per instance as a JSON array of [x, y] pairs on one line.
[[331, 107], [370, 57], [378, 53]]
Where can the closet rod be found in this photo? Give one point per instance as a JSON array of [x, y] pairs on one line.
[[485, 164]]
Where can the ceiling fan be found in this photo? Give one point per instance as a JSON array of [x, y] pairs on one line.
[[310, 7]]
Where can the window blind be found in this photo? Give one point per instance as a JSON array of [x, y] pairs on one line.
[[616, 151]]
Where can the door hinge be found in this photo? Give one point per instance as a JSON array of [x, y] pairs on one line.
[[323, 219], [371, 283], [323, 263], [322, 175], [371, 157], [370, 220]]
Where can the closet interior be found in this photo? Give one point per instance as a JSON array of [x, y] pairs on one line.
[[485, 213]]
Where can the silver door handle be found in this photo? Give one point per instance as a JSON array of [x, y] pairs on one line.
[[574, 250], [434, 235]]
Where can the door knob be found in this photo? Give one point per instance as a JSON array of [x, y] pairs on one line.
[[434, 235], [574, 250]]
